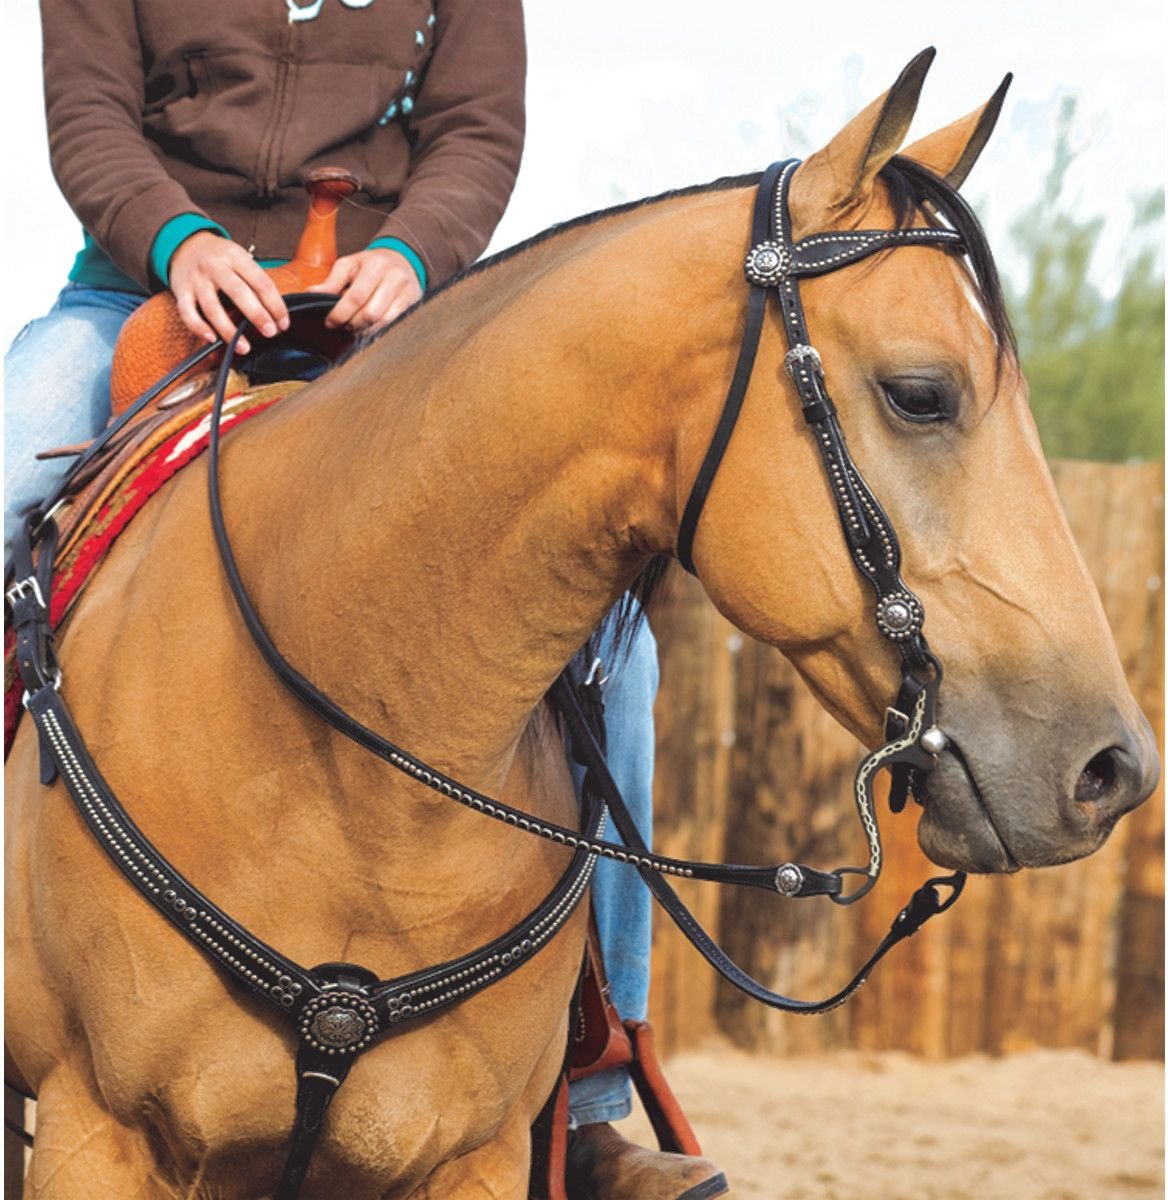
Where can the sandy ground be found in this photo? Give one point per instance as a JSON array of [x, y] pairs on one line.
[[1046, 1125]]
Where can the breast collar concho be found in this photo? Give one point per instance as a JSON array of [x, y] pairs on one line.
[[340, 1010]]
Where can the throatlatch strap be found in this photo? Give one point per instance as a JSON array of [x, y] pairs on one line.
[[743, 368]]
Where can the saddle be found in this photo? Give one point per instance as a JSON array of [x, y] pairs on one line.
[[153, 341]]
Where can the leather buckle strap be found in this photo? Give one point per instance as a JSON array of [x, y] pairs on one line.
[[36, 655], [330, 1041], [22, 589]]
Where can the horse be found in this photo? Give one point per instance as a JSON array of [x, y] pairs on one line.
[[431, 531]]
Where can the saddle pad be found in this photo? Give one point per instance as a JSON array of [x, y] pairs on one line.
[[120, 493]]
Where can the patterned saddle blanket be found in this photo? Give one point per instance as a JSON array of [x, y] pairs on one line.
[[115, 487]]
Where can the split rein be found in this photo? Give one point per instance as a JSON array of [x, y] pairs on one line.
[[340, 1009]]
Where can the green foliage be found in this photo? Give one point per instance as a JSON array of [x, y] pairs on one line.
[[1095, 365]]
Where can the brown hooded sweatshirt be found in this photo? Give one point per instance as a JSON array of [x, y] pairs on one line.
[[158, 108]]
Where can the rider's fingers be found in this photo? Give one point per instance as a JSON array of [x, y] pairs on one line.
[[239, 290], [356, 296], [402, 300], [212, 309], [340, 276], [266, 292], [376, 310], [190, 316]]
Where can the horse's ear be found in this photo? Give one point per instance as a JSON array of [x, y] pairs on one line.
[[840, 175], [952, 151]]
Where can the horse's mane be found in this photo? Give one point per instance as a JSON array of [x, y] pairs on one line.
[[913, 189]]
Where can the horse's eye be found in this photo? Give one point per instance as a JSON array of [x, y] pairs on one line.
[[919, 400]]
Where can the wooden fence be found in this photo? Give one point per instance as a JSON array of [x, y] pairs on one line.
[[750, 769]]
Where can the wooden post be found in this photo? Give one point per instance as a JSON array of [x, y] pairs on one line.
[[694, 732]]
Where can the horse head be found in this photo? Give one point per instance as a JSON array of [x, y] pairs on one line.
[[1047, 748]]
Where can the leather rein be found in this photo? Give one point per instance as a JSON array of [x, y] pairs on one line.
[[341, 1009]]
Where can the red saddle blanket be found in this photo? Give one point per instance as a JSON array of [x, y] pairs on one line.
[[122, 491]]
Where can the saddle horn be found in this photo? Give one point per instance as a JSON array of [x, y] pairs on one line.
[[154, 340]]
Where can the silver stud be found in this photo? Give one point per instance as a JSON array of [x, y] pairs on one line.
[[933, 740], [788, 880]]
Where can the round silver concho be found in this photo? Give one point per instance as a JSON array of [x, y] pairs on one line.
[[788, 880], [899, 616], [767, 264], [338, 1023]]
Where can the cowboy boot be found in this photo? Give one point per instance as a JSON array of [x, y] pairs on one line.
[[603, 1165]]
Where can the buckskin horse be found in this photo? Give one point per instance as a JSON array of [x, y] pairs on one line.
[[430, 532]]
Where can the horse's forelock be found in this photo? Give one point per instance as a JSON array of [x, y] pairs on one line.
[[913, 189]]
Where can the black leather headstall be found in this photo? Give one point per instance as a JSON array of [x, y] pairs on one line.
[[341, 1009]]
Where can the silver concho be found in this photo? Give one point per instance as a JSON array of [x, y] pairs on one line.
[[338, 1023], [788, 880], [899, 616], [337, 1027], [767, 264]]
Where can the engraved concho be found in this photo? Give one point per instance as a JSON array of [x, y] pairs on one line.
[[338, 1027], [338, 1023], [767, 264], [788, 879], [899, 616]]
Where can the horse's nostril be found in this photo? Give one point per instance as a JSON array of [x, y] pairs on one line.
[[1098, 777]]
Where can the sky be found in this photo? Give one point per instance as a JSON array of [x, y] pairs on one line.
[[630, 97]]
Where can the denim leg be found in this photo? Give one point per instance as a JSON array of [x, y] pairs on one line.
[[56, 391], [622, 902]]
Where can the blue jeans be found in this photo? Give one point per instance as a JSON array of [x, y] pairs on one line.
[[56, 389], [622, 902]]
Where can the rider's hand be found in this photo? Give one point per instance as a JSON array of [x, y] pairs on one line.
[[206, 265], [375, 286]]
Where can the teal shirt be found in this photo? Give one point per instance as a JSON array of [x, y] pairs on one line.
[[94, 268]]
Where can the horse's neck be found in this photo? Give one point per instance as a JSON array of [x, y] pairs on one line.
[[479, 487]]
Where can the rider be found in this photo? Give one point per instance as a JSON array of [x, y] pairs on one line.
[[181, 136]]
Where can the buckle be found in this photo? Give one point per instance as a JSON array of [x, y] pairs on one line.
[[797, 356], [55, 685], [25, 587], [895, 723]]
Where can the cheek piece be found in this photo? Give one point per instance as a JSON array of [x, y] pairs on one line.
[[775, 264]]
